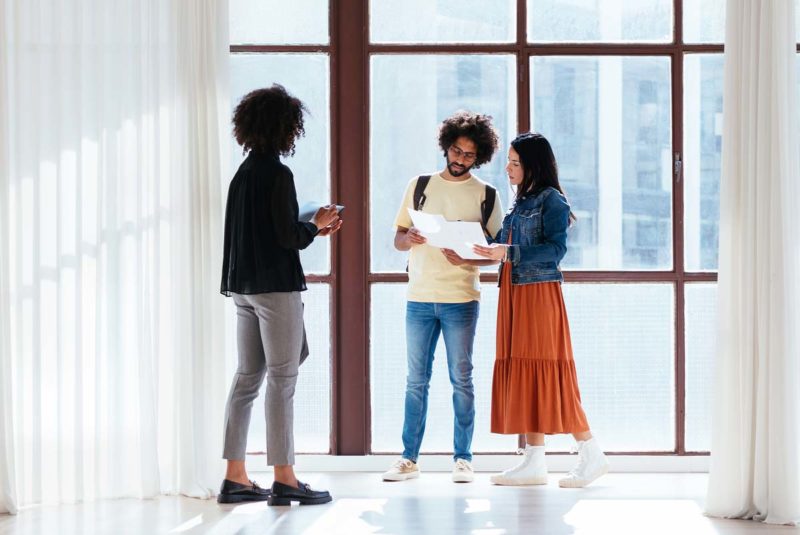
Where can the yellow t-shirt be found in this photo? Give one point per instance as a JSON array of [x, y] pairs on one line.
[[431, 278]]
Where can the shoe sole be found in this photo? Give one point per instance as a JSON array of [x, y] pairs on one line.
[[463, 479], [281, 500], [580, 483], [240, 499], [508, 482], [401, 477]]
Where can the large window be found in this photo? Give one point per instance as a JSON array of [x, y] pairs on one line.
[[630, 96]]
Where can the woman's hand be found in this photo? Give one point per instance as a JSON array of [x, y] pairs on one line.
[[495, 251], [453, 257], [330, 229], [325, 217]]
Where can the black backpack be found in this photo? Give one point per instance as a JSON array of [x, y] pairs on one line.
[[486, 206]]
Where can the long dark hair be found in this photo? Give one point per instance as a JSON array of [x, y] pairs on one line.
[[538, 164]]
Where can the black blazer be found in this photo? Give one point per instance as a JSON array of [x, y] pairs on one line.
[[262, 233]]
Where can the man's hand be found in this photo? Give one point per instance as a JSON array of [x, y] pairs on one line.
[[405, 239], [453, 257], [415, 237]]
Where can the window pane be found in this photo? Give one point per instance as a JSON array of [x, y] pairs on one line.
[[624, 345], [404, 119], [599, 21], [388, 378], [312, 400], [702, 160], [442, 21], [701, 338], [704, 21], [307, 77], [608, 120], [279, 23]]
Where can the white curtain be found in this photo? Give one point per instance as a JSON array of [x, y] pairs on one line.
[[7, 496], [117, 142], [755, 456]]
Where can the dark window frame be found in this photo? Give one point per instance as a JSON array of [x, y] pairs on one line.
[[350, 277]]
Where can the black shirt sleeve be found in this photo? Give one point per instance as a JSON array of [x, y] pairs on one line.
[[289, 232]]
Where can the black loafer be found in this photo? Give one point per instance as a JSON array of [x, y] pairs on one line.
[[232, 492], [285, 495]]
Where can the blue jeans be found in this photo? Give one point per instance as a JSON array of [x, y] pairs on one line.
[[457, 322]]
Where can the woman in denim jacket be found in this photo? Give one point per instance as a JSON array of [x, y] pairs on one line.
[[535, 387]]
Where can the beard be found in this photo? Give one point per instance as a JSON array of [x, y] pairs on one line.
[[456, 169]]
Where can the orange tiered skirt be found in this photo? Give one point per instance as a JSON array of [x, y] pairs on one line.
[[535, 387]]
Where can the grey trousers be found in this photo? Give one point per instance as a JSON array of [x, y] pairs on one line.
[[271, 340]]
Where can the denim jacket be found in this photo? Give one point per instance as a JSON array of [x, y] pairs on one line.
[[538, 225]]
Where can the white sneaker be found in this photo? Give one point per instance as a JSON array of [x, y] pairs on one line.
[[531, 471], [401, 470], [592, 463], [462, 472]]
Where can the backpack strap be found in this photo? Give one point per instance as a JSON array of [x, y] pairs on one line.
[[419, 191], [419, 194], [487, 207]]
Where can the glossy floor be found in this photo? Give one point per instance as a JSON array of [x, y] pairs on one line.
[[616, 504]]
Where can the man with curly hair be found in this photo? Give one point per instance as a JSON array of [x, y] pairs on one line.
[[443, 289]]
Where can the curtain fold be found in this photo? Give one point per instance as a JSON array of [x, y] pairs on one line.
[[117, 129], [755, 458], [8, 500], [203, 115]]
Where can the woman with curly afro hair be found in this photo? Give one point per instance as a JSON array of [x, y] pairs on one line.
[[261, 270]]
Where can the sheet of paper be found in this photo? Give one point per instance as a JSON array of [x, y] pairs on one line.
[[459, 236], [427, 223]]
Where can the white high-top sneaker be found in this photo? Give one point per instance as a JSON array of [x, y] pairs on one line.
[[531, 471], [592, 463]]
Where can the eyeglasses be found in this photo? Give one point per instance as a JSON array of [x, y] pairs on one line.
[[458, 153]]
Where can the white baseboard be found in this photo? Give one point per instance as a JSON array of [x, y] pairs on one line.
[[485, 463]]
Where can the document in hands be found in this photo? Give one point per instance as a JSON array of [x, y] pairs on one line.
[[309, 210], [459, 236]]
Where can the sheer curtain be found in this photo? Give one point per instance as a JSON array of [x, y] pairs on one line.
[[755, 458], [112, 369], [7, 497]]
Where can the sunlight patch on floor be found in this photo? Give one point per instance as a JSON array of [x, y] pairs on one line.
[[668, 517]]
